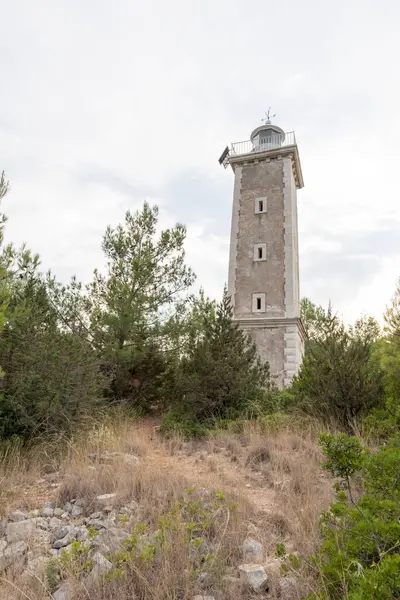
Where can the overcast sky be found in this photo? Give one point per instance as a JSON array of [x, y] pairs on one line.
[[106, 103]]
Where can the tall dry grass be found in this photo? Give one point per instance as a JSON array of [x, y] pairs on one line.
[[271, 476]]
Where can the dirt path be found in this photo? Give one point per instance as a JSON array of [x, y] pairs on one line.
[[205, 464]]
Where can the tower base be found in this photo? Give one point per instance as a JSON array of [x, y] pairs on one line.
[[280, 342]]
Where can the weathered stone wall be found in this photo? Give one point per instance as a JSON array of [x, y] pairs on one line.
[[270, 344], [277, 332], [259, 180]]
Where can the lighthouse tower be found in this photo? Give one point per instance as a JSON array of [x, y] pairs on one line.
[[263, 277]]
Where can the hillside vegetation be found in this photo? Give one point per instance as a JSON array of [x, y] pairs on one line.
[[146, 452]]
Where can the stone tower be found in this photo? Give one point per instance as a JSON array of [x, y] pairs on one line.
[[263, 277]]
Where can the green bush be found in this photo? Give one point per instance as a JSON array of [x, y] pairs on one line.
[[341, 377], [221, 377], [359, 557], [176, 423]]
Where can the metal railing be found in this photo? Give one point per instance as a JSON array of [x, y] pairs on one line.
[[264, 143]]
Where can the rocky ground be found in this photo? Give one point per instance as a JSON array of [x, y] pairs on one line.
[[72, 545]]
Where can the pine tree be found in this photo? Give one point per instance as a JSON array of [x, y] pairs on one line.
[[221, 376]]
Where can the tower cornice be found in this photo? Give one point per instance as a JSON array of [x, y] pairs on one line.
[[272, 154]]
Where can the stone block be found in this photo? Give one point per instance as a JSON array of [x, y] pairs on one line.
[[254, 577]]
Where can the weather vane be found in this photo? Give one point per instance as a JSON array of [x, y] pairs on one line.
[[268, 117]]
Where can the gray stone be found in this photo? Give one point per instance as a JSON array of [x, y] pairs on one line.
[[254, 577], [82, 533], [41, 523], [80, 502], [96, 515], [68, 507], [22, 530], [18, 515], [47, 511], [65, 536], [58, 512], [34, 570], [96, 524], [64, 592], [62, 531], [65, 516], [12, 555], [101, 567], [34, 513], [110, 540], [55, 524], [77, 511], [253, 551], [124, 510], [105, 499]]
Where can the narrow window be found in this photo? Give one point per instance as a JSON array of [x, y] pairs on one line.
[[258, 303], [260, 206], [260, 252]]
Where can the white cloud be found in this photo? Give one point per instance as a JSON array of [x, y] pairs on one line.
[[104, 104]]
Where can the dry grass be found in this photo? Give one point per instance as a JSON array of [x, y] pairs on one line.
[[274, 477]]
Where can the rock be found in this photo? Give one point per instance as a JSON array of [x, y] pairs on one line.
[[48, 510], [3, 545], [77, 511], [65, 516], [68, 507], [91, 468], [55, 524], [62, 532], [110, 540], [64, 592], [12, 555], [96, 515], [65, 541], [34, 513], [104, 499], [41, 523], [58, 512], [82, 533], [254, 577], [18, 515], [35, 570], [124, 510], [253, 551], [101, 566], [65, 536], [22, 530], [96, 524]]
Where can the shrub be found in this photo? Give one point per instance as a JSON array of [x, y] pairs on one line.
[[176, 423], [341, 378], [221, 376], [359, 557]]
